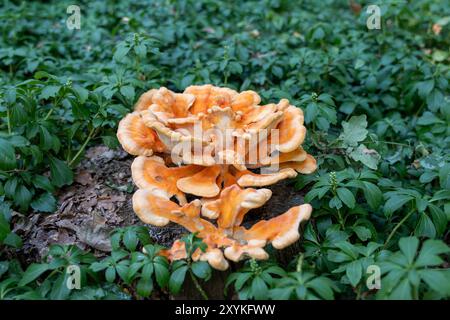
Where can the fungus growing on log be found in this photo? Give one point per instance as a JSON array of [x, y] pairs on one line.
[[212, 143]]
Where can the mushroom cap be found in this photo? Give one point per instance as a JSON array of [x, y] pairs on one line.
[[229, 208], [281, 230], [250, 179], [207, 138], [150, 208], [169, 119], [136, 138], [202, 184], [152, 174]]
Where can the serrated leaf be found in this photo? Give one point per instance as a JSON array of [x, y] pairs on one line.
[[162, 275], [347, 197], [61, 174], [33, 271], [369, 157], [259, 288], [176, 279], [354, 130], [354, 272], [49, 92], [201, 269], [44, 203], [144, 287]]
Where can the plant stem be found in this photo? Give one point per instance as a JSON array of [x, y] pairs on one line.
[[55, 103], [8, 121], [394, 143], [358, 292], [299, 263], [48, 114], [341, 220], [198, 286], [396, 228], [89, 137]]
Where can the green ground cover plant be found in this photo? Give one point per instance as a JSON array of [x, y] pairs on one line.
[[377, 109]]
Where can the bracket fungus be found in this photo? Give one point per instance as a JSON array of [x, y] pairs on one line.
[[214, 142]]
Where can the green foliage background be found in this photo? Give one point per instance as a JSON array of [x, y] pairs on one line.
[[376, 105]]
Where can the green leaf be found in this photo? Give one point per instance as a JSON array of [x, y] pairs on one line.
[[259, 288], [311, 112], [363, 233], [373, 194], [395, 202], [439, 218], [402, 291], [4, 266], [201, 269], [424, 88], [110, 274], [323, 286], [130, 239], [127, 92], [354, 130], [13, 240], [61, 174], [144, 287], [60, 289], [33, 271], [7, 155], [121, 52], [438, 280], [10, 95], [347, 197], [241, 280], [408, 247], [429, 254], [110, 141], [81, 93], [122, 269], [280, 293], [177, 279], [49, 91], [425, 227], [22, 197], [368, 157], [162, 275], [354, 272], [42, 182], [428, 118], [141, 50], [18, 141], [45, 203]]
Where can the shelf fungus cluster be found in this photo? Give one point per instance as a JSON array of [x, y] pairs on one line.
[[218, 145]]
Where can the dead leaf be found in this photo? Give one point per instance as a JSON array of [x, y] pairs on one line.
[[84, 177], [437, 28]]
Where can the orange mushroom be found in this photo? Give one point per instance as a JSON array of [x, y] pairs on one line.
[[231, 123], [212, 142], [228, 239]]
